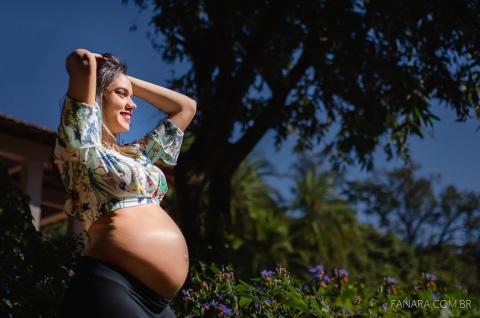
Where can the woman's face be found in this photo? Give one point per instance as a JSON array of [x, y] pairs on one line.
[[118, 100]]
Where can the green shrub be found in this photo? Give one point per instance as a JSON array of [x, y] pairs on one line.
[[214, 292], [35, 270]]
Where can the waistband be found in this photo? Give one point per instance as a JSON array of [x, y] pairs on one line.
[[126, 202], [91, 265]]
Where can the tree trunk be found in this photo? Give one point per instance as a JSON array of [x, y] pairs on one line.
[[188, 196], [203, 200], [218, 217]]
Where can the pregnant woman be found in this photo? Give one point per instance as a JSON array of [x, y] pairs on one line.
[[136, 258]]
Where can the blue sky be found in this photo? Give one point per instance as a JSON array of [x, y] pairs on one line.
[[37, 36]]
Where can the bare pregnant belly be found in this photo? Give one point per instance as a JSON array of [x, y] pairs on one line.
[[145, 242]]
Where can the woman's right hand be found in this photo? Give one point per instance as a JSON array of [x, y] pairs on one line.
[[87, 53], [81, 66], [82, 58]]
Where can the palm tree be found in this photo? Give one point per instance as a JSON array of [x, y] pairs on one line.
[[259, 233], [326, 229]]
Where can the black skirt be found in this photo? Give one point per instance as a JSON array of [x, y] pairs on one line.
[[100, 289]]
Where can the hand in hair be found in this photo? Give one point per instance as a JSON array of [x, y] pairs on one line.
[[81, 59], [81, 66]]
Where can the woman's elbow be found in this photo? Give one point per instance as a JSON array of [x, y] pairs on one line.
[[192, 105], [188, 105]]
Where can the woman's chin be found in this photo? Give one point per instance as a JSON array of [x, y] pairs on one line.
[[122, 129], [123, 124]]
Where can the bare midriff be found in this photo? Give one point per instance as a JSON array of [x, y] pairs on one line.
[[144, 241]]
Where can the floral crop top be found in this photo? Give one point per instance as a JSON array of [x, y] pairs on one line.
[[99, 180]]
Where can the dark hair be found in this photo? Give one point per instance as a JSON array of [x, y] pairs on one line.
[[107, 70]]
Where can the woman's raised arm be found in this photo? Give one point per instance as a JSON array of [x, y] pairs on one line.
[[181, 108], [81, 66]]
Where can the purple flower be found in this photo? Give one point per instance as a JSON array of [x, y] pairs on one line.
[[385, 306], [267, 273], [268, 302], [317, 269], [305, 286], [342, 272], [186, 295], [435, 295], [391, 280], [319, 276], [224, 310], [324, 280], [430, 276]]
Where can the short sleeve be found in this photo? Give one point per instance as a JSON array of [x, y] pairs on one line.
[[80, 124], [164, 142], [81, 201]]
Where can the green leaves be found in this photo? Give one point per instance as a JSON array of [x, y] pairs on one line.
[[284, 296], [244, 301], [30, 286]]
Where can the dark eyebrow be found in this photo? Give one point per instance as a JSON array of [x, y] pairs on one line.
[[125, 89]]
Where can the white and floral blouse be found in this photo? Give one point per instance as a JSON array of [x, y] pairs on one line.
[[99, 180]]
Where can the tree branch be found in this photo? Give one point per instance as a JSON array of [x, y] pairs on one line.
[[271, 115]]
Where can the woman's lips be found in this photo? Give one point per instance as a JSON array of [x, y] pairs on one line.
[[127, 116]]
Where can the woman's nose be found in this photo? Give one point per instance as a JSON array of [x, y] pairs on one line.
[[131, 104]]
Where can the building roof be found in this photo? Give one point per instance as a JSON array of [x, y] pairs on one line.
[[22, 129]]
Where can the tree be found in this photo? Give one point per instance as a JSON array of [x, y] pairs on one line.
[[259, 235], [457, 209], [327, 225], [407, 205], [370, 67], [318, 226]]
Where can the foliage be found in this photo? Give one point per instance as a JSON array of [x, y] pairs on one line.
[[350, 76], [35, 270], [442, 228], [406, 204], [370, 67], [259, 227], [266, 231], [326, 225], [215, 292]]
